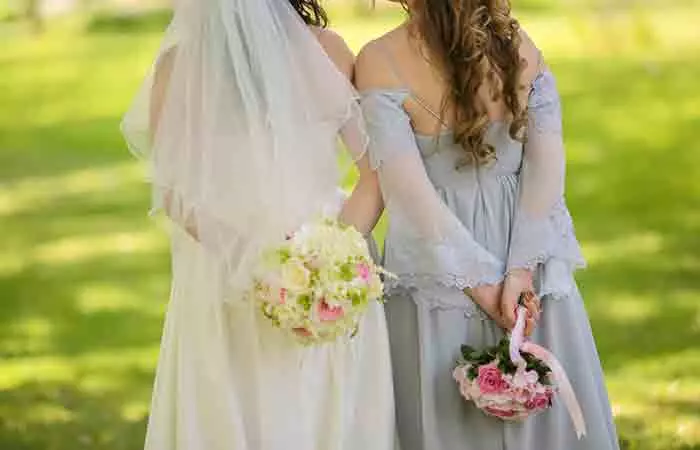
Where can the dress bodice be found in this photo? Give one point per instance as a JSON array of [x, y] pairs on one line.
[[460, 224]]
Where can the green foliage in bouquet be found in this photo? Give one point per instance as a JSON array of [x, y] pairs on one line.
[[501, 353]]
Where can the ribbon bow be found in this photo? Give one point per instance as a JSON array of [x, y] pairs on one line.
[[518, 343]]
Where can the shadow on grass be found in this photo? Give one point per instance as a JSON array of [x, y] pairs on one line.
[[92, 319], [62, 147], [634, 436], [100, 304], [78, 335], [57, 415]]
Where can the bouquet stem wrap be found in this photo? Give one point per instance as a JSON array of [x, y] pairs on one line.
[[518, 343]]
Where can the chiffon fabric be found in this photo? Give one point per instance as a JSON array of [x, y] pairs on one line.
[[227, 380], [452, 227]]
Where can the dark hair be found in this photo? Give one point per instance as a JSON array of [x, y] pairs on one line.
[[475, 42], [311, 12]]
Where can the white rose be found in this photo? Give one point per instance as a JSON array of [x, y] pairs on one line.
[[294, 276]]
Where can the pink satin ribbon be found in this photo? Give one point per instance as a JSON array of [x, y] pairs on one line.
[[566, 391]]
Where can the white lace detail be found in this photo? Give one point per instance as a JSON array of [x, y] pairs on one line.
[[436, 294], [534, 242], [448, 280]]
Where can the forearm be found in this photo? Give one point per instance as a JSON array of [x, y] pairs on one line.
[[364, 207]]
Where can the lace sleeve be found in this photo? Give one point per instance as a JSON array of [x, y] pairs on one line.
[[543, 229], [436, 247]]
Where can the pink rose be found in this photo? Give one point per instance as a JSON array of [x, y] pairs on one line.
[[550, 395], [491, 380], [303, 332], [499, 412], [539, 401], [363, 272], [329, 313], [283, 296], [522, 395]]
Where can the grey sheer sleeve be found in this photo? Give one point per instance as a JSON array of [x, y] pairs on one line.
[[543, 231], [437, 248]]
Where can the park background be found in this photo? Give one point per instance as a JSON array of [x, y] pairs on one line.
[[84, 273]]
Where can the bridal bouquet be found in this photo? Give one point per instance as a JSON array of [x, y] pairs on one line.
[[319, 283], [516, 379]]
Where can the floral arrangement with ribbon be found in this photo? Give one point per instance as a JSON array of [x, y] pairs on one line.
[[516, 379]]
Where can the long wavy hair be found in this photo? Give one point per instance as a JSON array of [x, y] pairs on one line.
[[311, 12], [474, 42]]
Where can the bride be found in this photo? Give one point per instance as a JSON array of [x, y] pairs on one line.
[[239, 124]]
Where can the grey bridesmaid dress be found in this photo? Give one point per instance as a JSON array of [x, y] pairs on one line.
[[454, 226]]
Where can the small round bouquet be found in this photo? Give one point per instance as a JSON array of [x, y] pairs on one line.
[[516, 379], [501, 388], [319, 283]]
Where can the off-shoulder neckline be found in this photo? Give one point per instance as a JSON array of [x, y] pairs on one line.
[[406, 92]]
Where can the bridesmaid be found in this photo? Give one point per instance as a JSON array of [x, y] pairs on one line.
[[466, 136]]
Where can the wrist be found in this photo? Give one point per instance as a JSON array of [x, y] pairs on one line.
[[521, 273]]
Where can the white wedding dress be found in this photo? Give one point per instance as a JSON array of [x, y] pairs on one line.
[[239, 125], [228, 380]]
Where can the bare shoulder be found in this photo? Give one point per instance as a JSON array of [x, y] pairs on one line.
[[337, 49], [372, 69], [530, 53]]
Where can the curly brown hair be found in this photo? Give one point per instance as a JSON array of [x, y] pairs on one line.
[[311, 12], [474, 42]]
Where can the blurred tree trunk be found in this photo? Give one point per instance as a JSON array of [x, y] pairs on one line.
[[33, 13], [86, 6]]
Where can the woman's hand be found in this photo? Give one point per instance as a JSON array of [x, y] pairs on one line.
[[488, 297], [517, 283]]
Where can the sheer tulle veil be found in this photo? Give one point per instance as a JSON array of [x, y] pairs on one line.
[[239, 123]]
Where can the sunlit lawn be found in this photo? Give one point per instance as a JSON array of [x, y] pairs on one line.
[[84, 272]]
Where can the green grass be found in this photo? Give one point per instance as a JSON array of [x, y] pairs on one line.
[[84, 273]]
